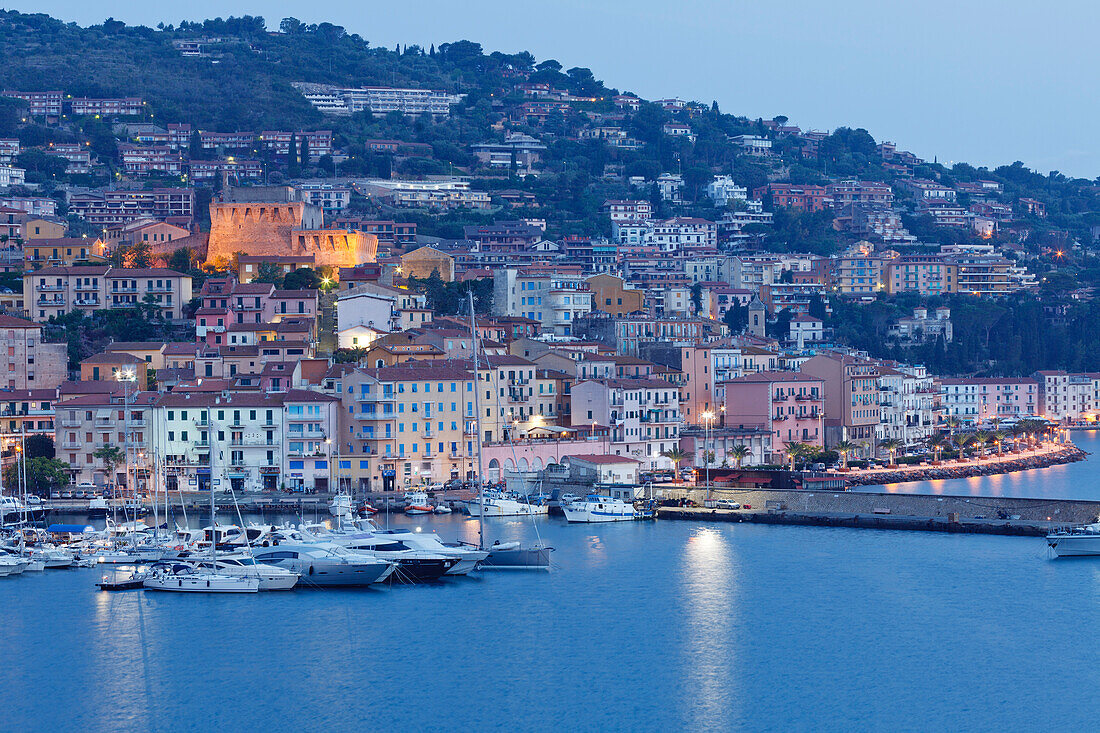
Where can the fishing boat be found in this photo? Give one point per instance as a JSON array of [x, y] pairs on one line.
[[502, 504], [595, 509], [417, 503]]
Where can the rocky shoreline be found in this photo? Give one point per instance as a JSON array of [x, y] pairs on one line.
[[1069, 454]]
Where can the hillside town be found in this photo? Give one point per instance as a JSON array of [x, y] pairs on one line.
[[308, 289]]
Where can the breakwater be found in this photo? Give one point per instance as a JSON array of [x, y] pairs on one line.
[[1007, 464], [885, 510]]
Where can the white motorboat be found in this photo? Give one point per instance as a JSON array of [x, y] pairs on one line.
[[98, 507], [594, 508], [497, 504], [270, 576], [417, 503], [468, 556], [183, 578], [12, 509], [413, 565], [52, 558], [1076, 542], [442, 509], [323, 564], [10, 565], [341, 506]]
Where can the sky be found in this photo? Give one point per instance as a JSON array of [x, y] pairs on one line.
[[987, 83]]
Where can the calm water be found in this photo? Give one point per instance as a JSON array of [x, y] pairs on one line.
[[1070, 481], [670, 625]]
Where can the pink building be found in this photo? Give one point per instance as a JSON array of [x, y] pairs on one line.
[[789, 405]]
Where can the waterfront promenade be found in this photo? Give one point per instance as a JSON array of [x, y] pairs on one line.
[[1051, 454]]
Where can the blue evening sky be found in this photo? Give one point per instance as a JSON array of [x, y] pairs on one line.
[[984, 82]]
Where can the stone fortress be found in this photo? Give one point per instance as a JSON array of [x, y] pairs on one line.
[[271, 221]]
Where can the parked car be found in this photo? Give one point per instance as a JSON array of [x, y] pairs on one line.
[[726, 504]]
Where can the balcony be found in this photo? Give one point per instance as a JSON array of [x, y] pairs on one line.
[[68, 445], [71, 423], [49, 288], [104, 422], [124, 290], [86, 302], [389, 397], [159, 289], [51, 301], [202, 422]]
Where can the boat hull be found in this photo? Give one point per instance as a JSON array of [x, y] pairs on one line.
[[200, 584], [1074, 545], [520, 558], [506, 509], [420, 570], [345, 576], [596, 516]]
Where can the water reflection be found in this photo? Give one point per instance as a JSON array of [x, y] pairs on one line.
[[710, 577]]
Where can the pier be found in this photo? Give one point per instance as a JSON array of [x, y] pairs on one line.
[[885, 510]]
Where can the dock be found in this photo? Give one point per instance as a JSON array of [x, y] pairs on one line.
[[886, 510]]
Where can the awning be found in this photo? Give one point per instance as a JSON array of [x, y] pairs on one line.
[[551, 429], [70, 528]]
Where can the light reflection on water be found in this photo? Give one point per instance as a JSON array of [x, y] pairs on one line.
[[1079, 480], [709, 583]]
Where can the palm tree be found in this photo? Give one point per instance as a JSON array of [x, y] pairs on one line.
[[675, 454], [891, 446], [952, 422], [739, 453], [962, 441], [1017, 431], [981, 437], [937, 443], [845, 448], [795, 451], [998, 439]]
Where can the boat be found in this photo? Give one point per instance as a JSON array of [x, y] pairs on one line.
[[468, 556], [442, 509], [414, 565], [271, 577], [594, 508], [323, 564], [501, 504], [97, 507], [340, 506], [181, 577], [513, 556], [417, 503], [12, 509], [11, 565], [1083, 541]]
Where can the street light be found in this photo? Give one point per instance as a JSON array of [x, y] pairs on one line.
[[708, 417]]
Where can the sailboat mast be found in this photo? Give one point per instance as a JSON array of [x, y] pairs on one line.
[[477, 429]]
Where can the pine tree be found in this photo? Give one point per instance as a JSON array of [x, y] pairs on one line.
[[292, 168]]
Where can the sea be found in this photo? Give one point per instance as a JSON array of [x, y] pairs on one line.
[[663, 625]]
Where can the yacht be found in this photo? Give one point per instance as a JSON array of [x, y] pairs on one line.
[[271, 577], [595, 508], [181, 577], [468, 556], [11, 565], [417, 503], [1076, 542], [499, 504], [12, 509], [413, 565], [323, 564]]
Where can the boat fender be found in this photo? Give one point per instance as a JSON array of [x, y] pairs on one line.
[[311, 570]]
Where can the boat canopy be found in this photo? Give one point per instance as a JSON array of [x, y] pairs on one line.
[[70, 528]]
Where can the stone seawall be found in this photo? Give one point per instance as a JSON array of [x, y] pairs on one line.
[[1068, 454], [1062, 511]]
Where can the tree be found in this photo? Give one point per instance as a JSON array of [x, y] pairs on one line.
[[696, 298], [845, 448], [269, 272], [998, 438], [111, 456], [140, 254], [39, 446], [194, 150], [937, 443], [796, 451], [43, 474], [304, 278], [739, 453], [891, 446], [980, 438], [182, 260], [677, 455], [292, 168]]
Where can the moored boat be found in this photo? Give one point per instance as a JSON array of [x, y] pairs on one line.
[[1081, 541], [595, 508]]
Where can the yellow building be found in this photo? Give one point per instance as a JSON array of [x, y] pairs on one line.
[[420, 263], [39, 228], [61, 251], [610, 295]]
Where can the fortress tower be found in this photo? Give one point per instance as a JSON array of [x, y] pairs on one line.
[[269, 221]]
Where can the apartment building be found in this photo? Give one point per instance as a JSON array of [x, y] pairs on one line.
[[851, 398], [789, 405], [555, 297], [1067, 396], [63, 251], [30, 364], [53, 291], [108, 107], [643, 415], [27, 412], [407, 424], [111, 208], [977, 400], [924, 274], [907, 396], [226, 302], [115, 418]]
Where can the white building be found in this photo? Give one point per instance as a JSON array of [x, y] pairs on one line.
[[722, 190], [555, 299], [643, 414], [12, 176], [906, 401]]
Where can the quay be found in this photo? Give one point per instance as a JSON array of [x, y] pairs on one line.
[[885, 510], [1053, 455]]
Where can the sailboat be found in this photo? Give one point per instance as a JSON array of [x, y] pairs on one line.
[[184, 578], [507, 555]]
